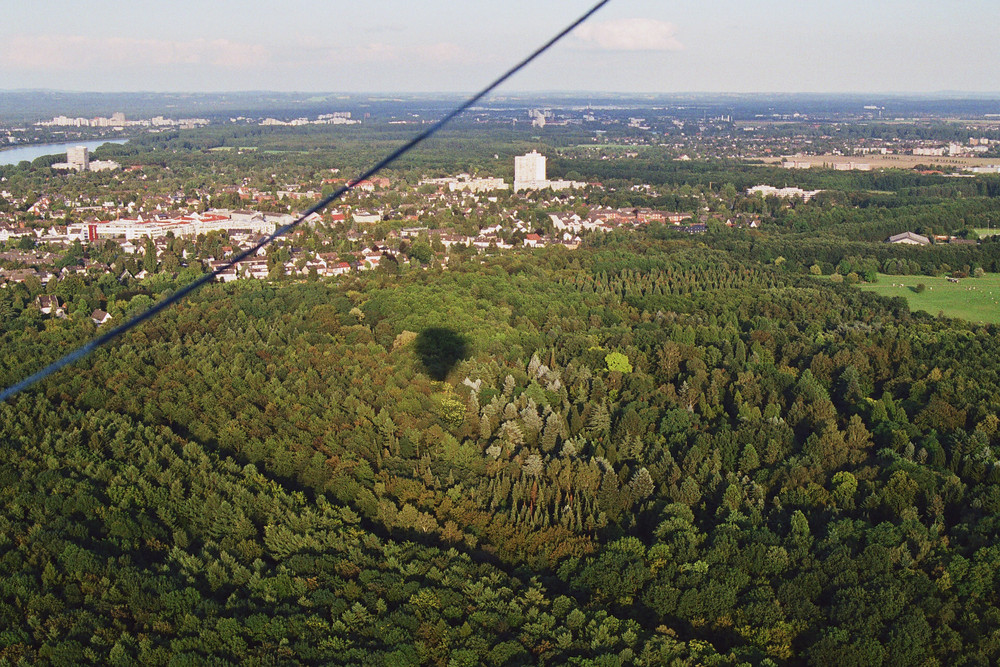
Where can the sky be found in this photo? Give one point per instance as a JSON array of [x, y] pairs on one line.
[[630, 46]]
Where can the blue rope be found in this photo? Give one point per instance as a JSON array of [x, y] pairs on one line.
[[162, 305]]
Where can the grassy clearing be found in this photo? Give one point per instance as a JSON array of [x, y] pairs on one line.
[[972, 299], [887, 161], [983, 232]]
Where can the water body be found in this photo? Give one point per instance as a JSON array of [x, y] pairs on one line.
[[29, 153]]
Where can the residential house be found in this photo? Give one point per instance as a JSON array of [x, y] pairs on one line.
[[533, 241], [100, 317], [49, 304]]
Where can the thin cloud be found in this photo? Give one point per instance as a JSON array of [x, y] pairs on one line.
[[630, 35], [315, 53], [75, 52], [371, 52], [439, 53], [444, 52]]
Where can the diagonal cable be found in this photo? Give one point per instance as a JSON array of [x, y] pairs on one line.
[[162, 305]]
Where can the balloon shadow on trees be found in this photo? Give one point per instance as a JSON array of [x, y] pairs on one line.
[[439, 349]]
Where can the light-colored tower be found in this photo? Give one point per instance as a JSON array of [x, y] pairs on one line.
[[529, 171], [79, 157]]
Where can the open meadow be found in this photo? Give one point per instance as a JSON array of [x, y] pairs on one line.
[[886, 161], [983, 232], [972, 299]]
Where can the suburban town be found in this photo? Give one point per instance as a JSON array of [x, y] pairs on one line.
[[368, 230], [403, 221]]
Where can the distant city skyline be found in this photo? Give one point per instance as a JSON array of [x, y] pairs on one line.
[[639, 46]]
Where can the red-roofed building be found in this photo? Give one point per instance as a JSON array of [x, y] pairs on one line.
[[339, 269], [367, 186]]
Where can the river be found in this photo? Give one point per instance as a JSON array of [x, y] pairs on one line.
[[29, 153]]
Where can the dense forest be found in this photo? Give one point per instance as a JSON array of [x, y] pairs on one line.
[[657, 449], [647, 451]]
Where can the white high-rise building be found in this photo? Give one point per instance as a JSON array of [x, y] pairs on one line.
[[78, 158], [529, 171], [529, 174]]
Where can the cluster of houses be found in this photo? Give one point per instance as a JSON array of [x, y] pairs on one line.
[[32, 263], [135, 226], [244, 229], [44, 272], [320, 264], [493, 237], [608, 219], [52, 305], [296, 192], [467, 183]]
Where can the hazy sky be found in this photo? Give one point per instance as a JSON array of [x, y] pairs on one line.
[[444, 45]]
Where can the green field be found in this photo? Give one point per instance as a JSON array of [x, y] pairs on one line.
[[972, 299], [983, 232]]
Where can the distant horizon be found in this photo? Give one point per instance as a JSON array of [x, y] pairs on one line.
[[521, 93], [640, 46]]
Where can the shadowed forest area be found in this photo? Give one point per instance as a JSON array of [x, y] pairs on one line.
[[439, 350]]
